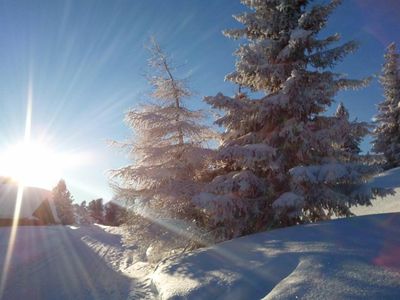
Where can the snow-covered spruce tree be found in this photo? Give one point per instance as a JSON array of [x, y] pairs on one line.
[[63, 203], [278, 163], [350, 135], [168, 149], [82, 215], [387, 132]]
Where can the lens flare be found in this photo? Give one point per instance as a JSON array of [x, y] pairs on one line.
[[20, 194], [31, 164]]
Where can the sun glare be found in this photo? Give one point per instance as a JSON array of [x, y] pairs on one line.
[[32, 164]]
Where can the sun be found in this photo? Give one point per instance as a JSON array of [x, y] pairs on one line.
[[32, 164]]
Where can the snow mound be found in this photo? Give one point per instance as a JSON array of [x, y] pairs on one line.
[[346, 258]]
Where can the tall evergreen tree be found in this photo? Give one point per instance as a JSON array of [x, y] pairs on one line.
[[167, 150], [63, 203], [278, 163], [387, 132]]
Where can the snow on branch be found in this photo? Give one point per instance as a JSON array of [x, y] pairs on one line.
[[242, 183], [253, 156], [333, 173], [288, 203], [328, 58], [316, 18]]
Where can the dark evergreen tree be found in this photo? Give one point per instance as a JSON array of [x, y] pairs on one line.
[[350, 134], [96, 210], [63, 202], [114, 214]]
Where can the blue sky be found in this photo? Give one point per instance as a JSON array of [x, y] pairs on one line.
[[86, 60]]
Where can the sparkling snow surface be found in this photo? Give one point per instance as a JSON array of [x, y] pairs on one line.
[[341, 259], [346, 258], [67, 262], [357, 258]]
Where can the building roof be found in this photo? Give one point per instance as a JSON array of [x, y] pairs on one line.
[[32, 199]]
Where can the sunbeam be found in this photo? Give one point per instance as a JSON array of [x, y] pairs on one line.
[[18, 200]]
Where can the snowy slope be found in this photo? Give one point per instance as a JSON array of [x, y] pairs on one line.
[[345, 258], [356, 257], [66, 262], [391, 203]]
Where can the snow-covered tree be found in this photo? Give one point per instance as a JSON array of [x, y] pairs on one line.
[[387, 132], [342, 112], [82, 216], [350, 135], [63, 203], [278, 162], [168, 149]]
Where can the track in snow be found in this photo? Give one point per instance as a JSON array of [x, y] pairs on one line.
[[54, 262]]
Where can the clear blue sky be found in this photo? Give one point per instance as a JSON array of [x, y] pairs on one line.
[[87, 59]]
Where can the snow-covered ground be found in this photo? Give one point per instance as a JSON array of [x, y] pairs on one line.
[[346, 258], [357, 258], [59, 262], [391, 203]]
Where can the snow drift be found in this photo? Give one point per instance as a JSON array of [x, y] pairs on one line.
[[345, 258]]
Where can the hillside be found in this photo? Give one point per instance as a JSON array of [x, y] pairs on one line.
[[346, 258], [62, 262]]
